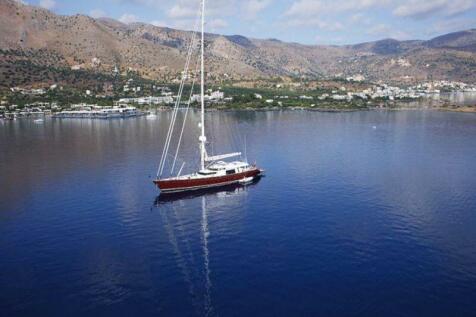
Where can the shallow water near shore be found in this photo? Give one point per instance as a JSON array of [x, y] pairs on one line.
[[367, 213]]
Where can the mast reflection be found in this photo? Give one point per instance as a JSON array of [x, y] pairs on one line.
[[183, 224]]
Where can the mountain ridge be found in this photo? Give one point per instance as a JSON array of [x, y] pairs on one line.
[[101, 45]]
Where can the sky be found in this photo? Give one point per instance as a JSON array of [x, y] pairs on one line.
[[303, 21]]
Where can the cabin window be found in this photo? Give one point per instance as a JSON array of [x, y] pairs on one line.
[[206, 172], [228, 172]]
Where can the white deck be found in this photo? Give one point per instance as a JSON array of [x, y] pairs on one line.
[[217, 169]]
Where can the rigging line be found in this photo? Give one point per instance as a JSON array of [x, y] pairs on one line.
[[185, 118], [174, 118], [169, 132], [177, 104], [183, 127], [237, 133], [179, 99], [174, 113], [167, 140], [230, 134], [180, 92]]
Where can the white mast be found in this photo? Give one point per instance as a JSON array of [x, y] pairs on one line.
[[202, 138]]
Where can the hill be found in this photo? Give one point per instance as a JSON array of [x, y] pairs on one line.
[[38, 46]]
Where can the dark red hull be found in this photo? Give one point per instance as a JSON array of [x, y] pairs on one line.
[[176, 185]]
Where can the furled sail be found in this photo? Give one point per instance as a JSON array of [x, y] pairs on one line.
[[221, 157]]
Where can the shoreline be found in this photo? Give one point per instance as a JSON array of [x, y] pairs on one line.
[[461, 109], [452, 108]]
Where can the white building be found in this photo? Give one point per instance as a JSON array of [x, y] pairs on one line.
[[148, 100], [356, 78], [213, 96]]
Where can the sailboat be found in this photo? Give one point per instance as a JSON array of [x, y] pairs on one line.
[[214, 170]]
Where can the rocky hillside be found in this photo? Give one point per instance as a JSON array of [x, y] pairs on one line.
[[38, 46]]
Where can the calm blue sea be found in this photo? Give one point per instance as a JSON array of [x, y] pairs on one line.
[[360, 214]]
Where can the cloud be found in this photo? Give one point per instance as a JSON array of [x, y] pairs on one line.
[[183, 13], [97, 13], [360, 18], [324, 14], [128, 18], [306, 8], [333, 26], [419, 9], [216, 24], [180, 11], [47, 4], [251, 8]]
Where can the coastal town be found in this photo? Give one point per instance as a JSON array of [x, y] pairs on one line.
[[349, 93]]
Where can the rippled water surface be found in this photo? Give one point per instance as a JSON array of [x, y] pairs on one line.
[[360, 214]]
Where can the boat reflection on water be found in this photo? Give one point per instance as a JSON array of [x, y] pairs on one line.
[[164, 198], [186, 218]]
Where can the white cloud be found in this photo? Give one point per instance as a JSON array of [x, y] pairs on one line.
[[185, 9], [360, 18], [330, 26], [251, 8], [423, 9], [128, 18], [216, 24], [183, 13], [47, 4], [97, 13], [306, 8], [333, 26], [180, 11], [325, 14]]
